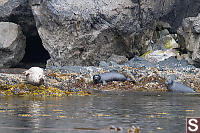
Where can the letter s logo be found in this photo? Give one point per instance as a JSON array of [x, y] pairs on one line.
[[193, 123]]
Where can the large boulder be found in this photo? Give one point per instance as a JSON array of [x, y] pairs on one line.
[[19, 12], [86, 32], [189, 36], [12, 44], [182, 9]]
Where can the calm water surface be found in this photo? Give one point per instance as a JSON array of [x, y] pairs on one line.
[[152, 112]]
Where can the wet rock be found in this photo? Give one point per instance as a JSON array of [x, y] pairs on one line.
[[16, 91], [12, 44], [74, 90]]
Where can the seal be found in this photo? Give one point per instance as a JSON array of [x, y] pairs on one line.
[[110, 76], [178, 87], [35, 75]]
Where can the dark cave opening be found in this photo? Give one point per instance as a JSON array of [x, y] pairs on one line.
[[35, 53]]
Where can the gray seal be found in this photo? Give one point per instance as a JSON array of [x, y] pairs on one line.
[[174, 86], [110, 76]]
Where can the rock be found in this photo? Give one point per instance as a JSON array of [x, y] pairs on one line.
[[186, 57], [164, 32], [160, 25], [165, 42], [113, 64], [19, 12], [169, 42], [12, 44], [173, 63], [87, 32], [189, 34], [159, 55], [35, 75], [103, 64], [138, 62], [12, 70], [181, 10], [117, 58]]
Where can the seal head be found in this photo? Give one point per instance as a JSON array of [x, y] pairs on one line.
[[174, 86], [96, 79]]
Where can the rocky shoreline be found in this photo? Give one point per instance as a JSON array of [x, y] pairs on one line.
[[77, 80], [76, 40]]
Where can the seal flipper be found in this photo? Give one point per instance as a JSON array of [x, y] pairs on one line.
[[104, 82]]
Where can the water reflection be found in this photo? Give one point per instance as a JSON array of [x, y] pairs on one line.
[[153, 112]]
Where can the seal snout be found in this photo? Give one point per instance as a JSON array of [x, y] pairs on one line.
[[96, 79]]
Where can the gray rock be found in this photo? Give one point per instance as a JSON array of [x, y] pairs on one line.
[[173, 63], [73, 69], [103, 64], [160, 25], [174, 86], [138, 62], [181, 10], [189, 34], [164, 32], [19, 12], [114, 64], [117, 58], [12, 44], [87, 32]]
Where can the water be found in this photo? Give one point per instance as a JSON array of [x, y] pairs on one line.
[[152, 112]]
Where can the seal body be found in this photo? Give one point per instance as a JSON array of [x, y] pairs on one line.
[[108, 77], [35, 75], [177, 87]]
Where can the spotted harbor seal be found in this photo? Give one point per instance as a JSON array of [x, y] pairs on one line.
[[177, 87], [35, 75], [110, 76]]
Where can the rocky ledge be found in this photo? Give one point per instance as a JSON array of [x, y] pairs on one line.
[[77, 80]]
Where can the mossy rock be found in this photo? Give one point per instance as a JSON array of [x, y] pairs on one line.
[[169, 42], [148, 52]]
